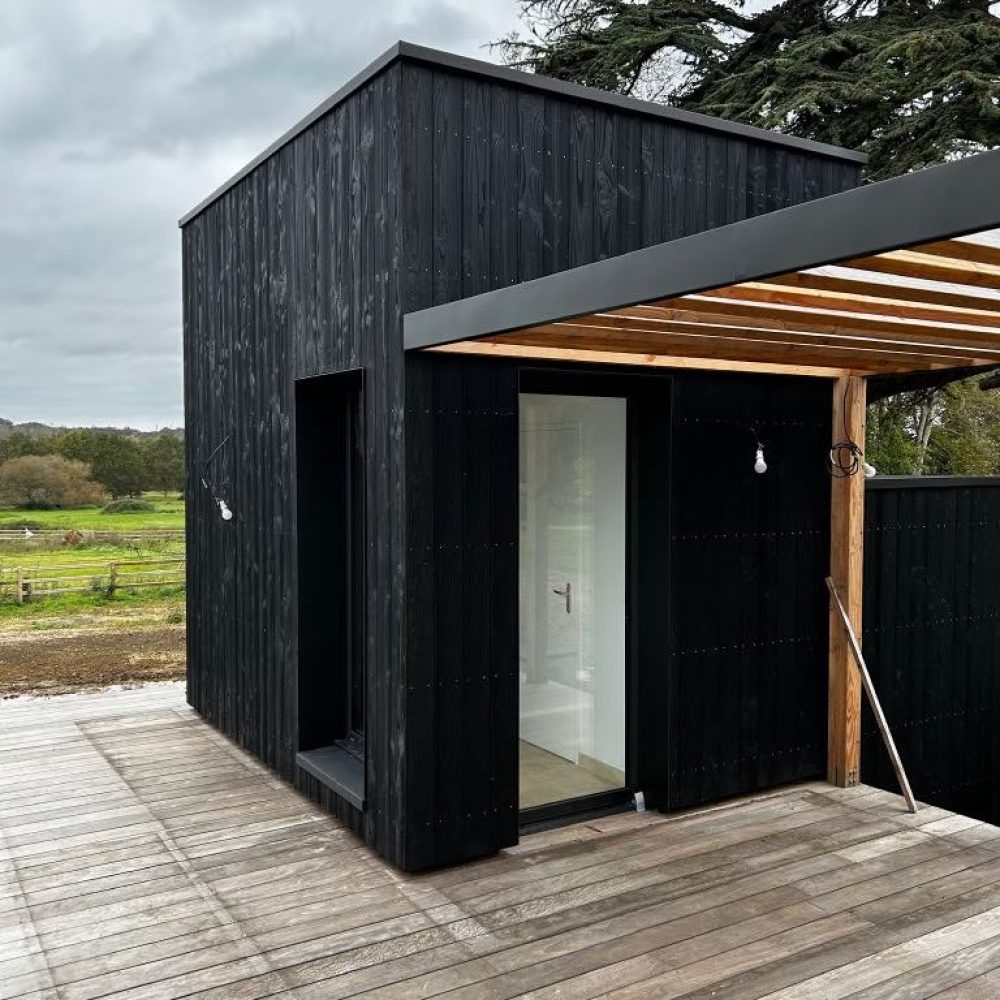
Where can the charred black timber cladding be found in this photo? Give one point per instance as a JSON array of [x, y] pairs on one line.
[[931, 635], [424, 184]]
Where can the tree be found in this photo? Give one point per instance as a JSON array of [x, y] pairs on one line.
[[910, 82], [18, 443], [114, 460], [954, 430], [45, 481], [966, 438], [163, 459]]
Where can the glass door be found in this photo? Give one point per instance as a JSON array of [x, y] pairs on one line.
[[572, 596]]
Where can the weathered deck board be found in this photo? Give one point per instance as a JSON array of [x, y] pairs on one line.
[[143, 856]]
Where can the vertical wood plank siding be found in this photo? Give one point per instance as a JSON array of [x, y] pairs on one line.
[[932, 639], [503, 186], [294, 272], [423, 186], [748, 605]]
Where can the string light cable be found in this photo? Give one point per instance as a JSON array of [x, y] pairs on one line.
[[846, 457], [224, 509]]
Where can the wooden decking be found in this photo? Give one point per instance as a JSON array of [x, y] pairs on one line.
[[143, 856]]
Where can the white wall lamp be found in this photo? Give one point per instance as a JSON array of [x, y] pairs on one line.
[[759, 462], [224, 509]]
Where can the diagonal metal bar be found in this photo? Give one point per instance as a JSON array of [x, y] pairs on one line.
[[866, 682]]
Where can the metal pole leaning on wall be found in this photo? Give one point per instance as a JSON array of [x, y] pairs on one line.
[[866, 683]]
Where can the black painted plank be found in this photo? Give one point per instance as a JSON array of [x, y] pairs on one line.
[[476, 235], [605, 211], [505, 187], [557, 187], [628, 174], [581, 195], [652, 191], [531, 186], [446, 170]]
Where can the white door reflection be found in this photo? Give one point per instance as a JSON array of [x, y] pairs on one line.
[[572, 595]]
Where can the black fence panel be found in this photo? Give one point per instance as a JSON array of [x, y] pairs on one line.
[[932, 637]]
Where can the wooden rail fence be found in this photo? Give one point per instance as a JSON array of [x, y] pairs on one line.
[[103, 535], [22, 584]]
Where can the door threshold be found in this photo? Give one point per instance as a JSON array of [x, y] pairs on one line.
[[555, 814]]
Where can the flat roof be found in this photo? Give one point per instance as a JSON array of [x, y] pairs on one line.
[[533, 81], [884, 278]]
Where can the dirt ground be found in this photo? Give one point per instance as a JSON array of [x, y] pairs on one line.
[[90, 652]]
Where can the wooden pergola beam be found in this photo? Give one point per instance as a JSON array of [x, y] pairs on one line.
[[977, 253], [735, 345], [743, 332], [484, 347], [817, 300], [905, 336], [878, 289], [847, 534], [906, 264], [660, 335]]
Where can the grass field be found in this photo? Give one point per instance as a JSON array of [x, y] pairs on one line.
[[169, 513], [50, 556], [127, 609], [68, 642], [37, 558], [88, 564]]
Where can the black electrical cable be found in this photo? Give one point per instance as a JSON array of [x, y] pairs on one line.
[[204, 469], [846, 457]]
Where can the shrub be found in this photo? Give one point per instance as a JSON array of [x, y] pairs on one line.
[[129, 506], [41, 482]]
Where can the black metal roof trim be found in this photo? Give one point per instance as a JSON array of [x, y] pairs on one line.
[[933, 204], [519, 78], [928, 482]]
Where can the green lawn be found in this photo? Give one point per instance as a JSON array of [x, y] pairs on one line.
[[169, 513], [89, 565], [50, 556], [97, 553], [157, 605]]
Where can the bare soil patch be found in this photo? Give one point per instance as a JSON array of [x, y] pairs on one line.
[[63, 660]]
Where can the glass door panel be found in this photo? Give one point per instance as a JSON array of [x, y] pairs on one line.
[[572, 596]]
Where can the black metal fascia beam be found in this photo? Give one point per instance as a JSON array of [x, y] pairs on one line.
[[934, 204]]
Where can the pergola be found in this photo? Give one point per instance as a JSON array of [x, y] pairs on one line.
[[899, 279]]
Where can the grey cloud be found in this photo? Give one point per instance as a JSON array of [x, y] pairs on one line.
[[117, 117]]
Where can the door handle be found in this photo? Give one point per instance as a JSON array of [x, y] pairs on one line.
[[567, 593]]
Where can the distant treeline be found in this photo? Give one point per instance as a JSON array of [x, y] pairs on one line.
[[120, 463]]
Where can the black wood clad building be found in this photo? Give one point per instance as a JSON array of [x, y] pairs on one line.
[[462, 592]]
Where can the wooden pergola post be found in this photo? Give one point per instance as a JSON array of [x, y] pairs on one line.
[[847, 536]]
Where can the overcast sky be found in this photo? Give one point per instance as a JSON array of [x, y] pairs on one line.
[[116, 116]]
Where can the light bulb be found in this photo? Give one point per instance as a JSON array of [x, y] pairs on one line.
[[760, 466], [870, 470], [227, 514]]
